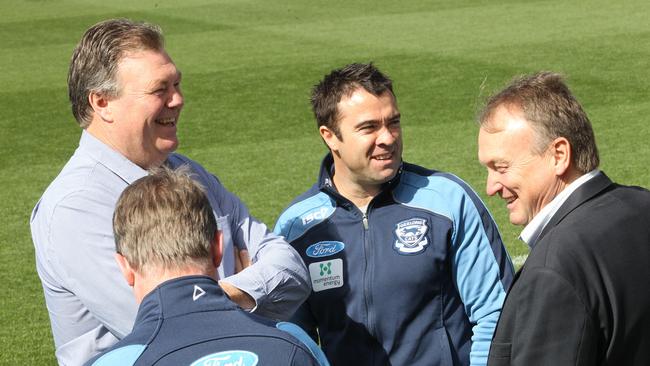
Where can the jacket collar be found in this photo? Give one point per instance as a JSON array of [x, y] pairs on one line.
[[183, 295], [584, 193], [326, 182]]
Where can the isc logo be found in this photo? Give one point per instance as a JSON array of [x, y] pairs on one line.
[[320, 214]]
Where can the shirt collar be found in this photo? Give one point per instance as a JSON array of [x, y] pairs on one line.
[[531, 232], [111, 159]]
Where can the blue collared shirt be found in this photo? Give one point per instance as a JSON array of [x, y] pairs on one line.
[[531, 232], [89, 303]]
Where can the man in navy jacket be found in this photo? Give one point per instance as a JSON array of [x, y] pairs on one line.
[[406, 264], [583, 296], [168, 249]]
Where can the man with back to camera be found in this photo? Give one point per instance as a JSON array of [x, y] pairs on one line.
[[125, 94], [582, 297], [407, 266], [168, 249]]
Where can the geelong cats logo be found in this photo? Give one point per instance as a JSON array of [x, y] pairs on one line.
[[410, 236]]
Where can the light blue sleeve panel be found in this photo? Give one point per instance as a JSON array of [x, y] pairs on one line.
[[481, 267], [300, 334], [303, 215], [123, 356]]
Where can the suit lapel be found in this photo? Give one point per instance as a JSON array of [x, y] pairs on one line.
[[584, 193]]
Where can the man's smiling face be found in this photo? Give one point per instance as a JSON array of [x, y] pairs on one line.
[[525, 179], [368, 150], [147, 108]]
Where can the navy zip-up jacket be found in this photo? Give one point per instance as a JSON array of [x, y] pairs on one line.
[[418, 280], [190, 321]]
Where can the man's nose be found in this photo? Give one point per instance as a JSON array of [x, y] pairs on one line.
[[176, 99], [387, 136], [492, 184]]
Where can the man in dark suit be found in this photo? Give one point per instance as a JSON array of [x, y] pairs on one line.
[[583, 295]]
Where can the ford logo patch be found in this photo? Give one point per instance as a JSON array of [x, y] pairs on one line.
[[228, 358], [324, 249]]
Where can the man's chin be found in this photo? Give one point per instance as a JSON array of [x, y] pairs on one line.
[[387, 176], [169, 146], [516, 220]]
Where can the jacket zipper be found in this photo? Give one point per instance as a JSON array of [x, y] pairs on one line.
[[368, 275]]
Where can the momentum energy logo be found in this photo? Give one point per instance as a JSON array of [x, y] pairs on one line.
[[228, 358], [326, 275]]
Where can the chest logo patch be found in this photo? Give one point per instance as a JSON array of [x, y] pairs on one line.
[[410, 236], [228, 358], [324, 249], [326, 275]]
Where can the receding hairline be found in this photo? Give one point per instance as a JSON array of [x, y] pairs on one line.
[[487, 121]]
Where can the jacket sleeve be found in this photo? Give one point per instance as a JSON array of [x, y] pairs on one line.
[[303, 316], [481, 269], [544, 322], [313, 355]]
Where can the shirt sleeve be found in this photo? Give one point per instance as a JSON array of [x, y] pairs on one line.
[[277, 280], [482, 271], [89, 303]]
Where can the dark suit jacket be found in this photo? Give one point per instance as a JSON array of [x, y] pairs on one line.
[[583, 295]]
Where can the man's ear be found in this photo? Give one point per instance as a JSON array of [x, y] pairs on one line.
[[217, 248], [125, 267], [329, 137], [561, 151], [100, 103]]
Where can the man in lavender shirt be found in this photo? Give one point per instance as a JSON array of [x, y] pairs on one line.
[[125, 94]]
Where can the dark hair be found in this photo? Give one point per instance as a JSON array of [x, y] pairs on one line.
[[94, 62], [552, 111], [342, 82]]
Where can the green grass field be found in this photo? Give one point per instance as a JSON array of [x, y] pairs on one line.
[[248, 67]]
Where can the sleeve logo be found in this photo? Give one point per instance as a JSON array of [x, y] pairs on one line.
[[410, 236], [316, 215]]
